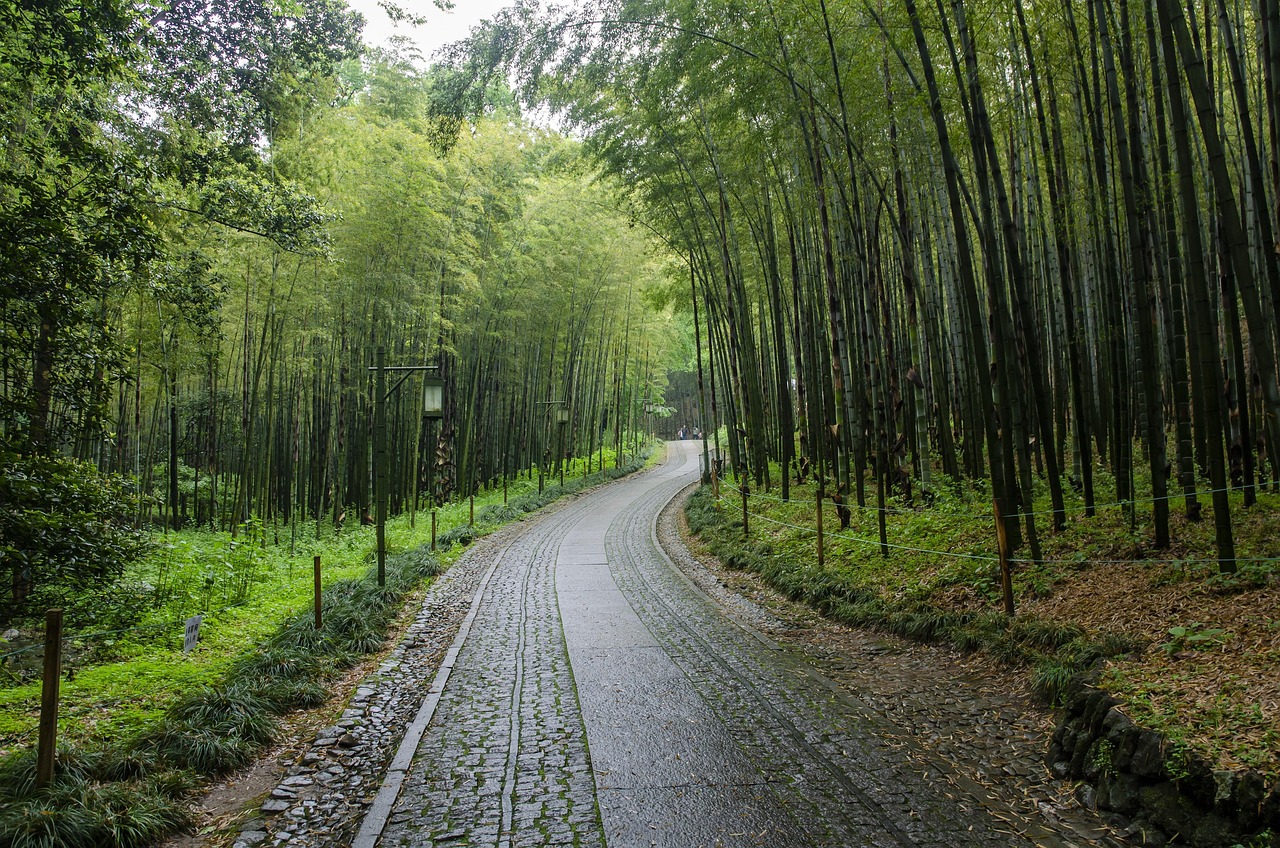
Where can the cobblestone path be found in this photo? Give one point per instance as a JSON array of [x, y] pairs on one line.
[[601, 698]]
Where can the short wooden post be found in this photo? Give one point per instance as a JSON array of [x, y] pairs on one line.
[[818, 512], [316, 569], [47, 747], [433, 529], [1006, 573], [472, 519]]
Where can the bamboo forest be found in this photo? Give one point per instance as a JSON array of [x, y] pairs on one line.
[[970, 307]]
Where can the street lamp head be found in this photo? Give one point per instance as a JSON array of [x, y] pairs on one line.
[[562, 416], [433, 398]]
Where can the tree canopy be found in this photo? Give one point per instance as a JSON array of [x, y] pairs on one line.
[[1015, 242]]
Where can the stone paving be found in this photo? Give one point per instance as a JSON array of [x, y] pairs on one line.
[[601, 696], [505, 759]]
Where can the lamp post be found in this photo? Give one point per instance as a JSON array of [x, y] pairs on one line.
[[433, 394], [432, 410], [562, 420]]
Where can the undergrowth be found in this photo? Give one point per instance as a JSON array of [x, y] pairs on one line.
[[863, 593], [134, 791]]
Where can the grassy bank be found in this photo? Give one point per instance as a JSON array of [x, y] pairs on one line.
[[1192, 652], [142, 724]]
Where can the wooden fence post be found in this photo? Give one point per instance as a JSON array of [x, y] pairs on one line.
[[821, 552], [316, 569], [433, 529], [47, 747], [1006, 574], [746, 529]]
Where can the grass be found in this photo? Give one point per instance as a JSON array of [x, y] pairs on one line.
[[141, 723], [1102, 601]]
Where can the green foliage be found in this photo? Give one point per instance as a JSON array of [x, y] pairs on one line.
[[1059, 653], [121, 125], [87, 804], [131, 795], [65, 541], [233, 69], [463, 535], [1101, 755], [1194, 636], [1051, 681]]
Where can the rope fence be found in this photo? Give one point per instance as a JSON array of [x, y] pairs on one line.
[[977, 557], [1074, 508], [140, 628]]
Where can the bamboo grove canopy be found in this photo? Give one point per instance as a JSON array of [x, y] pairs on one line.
[[990, 239], [215, 213]]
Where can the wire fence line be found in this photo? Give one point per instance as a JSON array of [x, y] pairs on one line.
[[571, 484], [1074, 508], [981, 558], [139, 628]]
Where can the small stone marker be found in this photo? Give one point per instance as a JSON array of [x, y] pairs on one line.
[[192, 634]]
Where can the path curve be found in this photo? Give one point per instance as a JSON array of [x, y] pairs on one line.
[[596, 697]]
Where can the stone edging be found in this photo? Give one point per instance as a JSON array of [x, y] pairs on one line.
[[1168, 796]]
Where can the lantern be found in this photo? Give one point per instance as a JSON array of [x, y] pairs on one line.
[[433, 397]]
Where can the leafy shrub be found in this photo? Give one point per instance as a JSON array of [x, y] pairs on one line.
[[1050, 681], [65, 539], [233, 709], [1041, 633], [204, 750], [86, 805], [463, 534], [1194, 636], [498, 514]]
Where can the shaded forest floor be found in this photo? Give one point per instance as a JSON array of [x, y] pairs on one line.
[[1192, 653]]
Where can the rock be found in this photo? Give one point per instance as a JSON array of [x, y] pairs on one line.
[[252, 837], [1251, 793], [1167, 808], [1142, 832], [1214, 831], [1224, 793], [1080, 755], [1123, 745], [1114, 723], [1148, 756], [346, 740], [1100, 704], [1122, 794], [1067, 737], [275, 805]]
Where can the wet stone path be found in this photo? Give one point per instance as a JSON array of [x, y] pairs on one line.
[[599, 696]]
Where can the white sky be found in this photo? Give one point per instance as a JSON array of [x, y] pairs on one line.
[[440, 29]]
